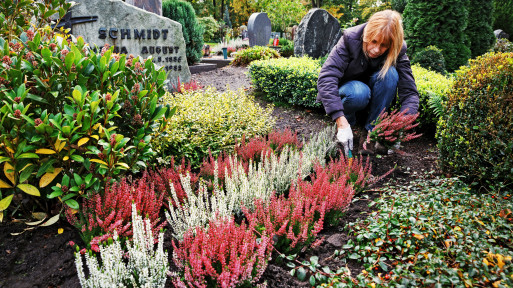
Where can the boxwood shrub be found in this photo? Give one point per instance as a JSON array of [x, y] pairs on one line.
[[291, 80], [433, 88], [245, 56], [210, 120], [475, 136]]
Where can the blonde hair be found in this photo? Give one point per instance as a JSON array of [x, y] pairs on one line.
[[386, 27]]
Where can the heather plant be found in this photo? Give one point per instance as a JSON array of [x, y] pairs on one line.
[[289, 80], [104, 214], [475, 135], [64, 114], [192, 85], [224, 255], [242, 187], [336, 192], [391, 129], [295, 220], [210, 122], [355, 170], [140, 266], [246, 56], [166, 176]]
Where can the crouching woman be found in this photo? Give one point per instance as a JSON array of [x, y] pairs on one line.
[[365, 71]]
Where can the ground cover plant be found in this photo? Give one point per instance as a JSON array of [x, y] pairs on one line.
[[434, 232]]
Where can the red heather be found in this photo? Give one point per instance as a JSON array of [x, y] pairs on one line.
[[253, 149], [192, 85], [357, 173], [223, 166], [165, 177], [279, 139], [226, 254], [102, 214], [391, 128], [296, 220], [335, 190]]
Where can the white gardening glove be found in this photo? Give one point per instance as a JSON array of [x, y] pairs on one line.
[[345, 137]]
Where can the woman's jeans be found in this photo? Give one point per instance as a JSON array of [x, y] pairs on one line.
[[378, 95]]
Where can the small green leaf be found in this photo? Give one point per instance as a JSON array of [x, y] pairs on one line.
[[301, 274], [4, 203], [72, 204], [312, 280]]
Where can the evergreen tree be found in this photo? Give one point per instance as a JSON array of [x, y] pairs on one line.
[[479, 30], [226, 17], [399, 5], [183, 13], [440, 23], [503, 16]]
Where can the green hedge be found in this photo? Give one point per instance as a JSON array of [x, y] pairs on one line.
[[433, 88], [291, 80], [210, 120]]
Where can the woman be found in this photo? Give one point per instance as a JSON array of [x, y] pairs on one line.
[[364, 70]]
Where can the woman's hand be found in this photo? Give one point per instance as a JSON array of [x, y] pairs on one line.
[[344, 134]]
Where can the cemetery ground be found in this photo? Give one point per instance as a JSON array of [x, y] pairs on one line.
[[42, 257]]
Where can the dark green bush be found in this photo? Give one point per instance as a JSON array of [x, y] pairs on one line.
[[290, 80], [430, 58], [183, 13], [479, 30], [503, 16], [502, 45], [440, 23], [286, 46], [475, 136], [246, 56]]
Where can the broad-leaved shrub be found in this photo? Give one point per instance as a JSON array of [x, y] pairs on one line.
[[290, 80], [475, 136], [210, 121]]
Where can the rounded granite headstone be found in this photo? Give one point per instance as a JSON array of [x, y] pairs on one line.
[[499, 34], [259, 29], [317, 33]]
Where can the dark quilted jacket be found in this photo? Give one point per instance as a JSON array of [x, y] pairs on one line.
[[347, 61]]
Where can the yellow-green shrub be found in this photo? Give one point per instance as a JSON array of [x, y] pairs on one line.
[[210, 120], [475, 136], [246, 56], [433, 88], [292, 80]]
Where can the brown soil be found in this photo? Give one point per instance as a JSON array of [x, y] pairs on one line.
[[42, 257]]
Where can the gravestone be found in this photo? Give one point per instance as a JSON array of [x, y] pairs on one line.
[[259, 29], [132, 30], [317, 33], [499, 34], [154, 6]]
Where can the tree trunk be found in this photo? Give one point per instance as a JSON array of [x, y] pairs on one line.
[[222, 10], [214, 4]]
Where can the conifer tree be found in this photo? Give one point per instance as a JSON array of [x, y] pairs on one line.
[[479, 30], [183, 13], [440, 23], [226, 18]]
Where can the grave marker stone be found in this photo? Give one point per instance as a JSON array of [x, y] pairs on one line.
[[154, 6], [132, 30], [317, 33], [259, 29]]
